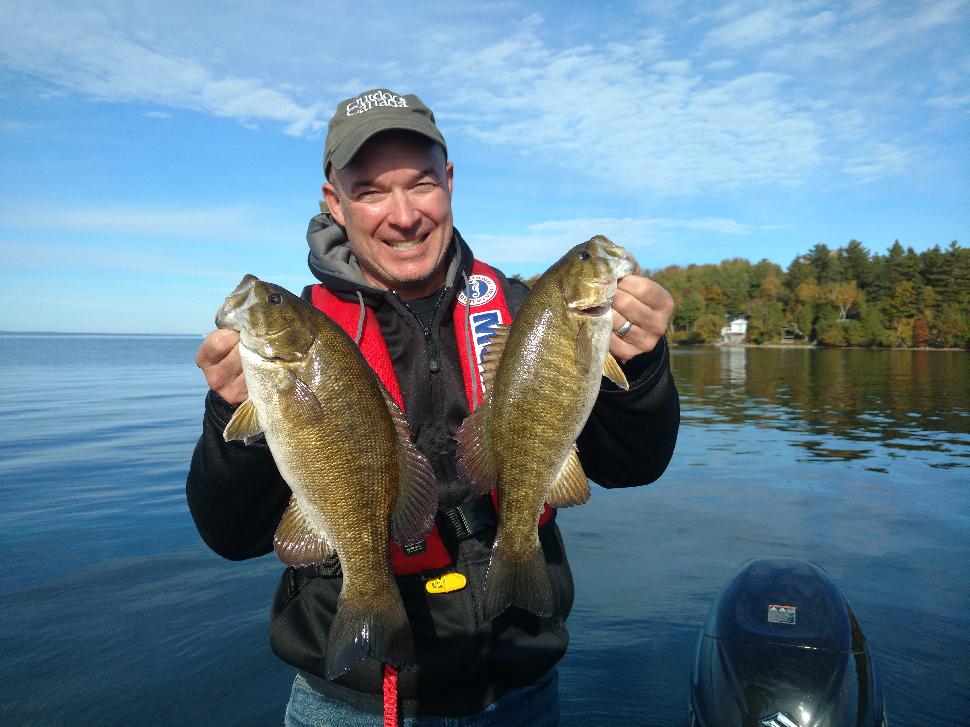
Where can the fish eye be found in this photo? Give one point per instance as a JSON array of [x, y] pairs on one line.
[[584, 255], [275, 298]]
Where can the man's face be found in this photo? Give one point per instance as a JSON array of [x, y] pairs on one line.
[[394, 199]]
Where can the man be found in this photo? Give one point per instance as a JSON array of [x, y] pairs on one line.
[[393, 267]]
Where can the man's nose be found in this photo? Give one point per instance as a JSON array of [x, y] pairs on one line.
[[403, 212]]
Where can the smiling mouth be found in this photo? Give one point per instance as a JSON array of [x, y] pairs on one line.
[[405, 245]]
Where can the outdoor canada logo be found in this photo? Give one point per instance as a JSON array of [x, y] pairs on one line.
[[481, 288], [371, 100]]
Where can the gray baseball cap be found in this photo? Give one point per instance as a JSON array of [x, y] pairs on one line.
[[359, 118]]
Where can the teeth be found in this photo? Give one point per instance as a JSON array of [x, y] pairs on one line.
[[405, 245]]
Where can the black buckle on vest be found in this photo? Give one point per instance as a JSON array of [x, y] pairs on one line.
[[468, 518]]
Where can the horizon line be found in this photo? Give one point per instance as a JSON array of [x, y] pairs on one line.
[[101, 333]]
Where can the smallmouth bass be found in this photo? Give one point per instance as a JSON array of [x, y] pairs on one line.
[[344, 449], [542, 375]]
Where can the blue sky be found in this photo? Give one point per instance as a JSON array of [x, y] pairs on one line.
[[154, 152]]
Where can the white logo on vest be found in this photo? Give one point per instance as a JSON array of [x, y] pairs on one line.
[[481, 288], [371, 100]]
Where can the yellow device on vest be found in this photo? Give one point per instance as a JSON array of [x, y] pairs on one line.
[[446, 583]]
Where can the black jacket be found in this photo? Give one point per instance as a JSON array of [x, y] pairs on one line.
[[237, 497]]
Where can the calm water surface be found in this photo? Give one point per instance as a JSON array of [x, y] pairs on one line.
[[116, 613]]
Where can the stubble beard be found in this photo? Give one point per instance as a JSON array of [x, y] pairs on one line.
[[383, 279]]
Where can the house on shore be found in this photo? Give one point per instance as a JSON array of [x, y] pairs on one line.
[[735, 332]]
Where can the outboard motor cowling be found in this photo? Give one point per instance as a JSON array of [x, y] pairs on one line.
[[782, 648]]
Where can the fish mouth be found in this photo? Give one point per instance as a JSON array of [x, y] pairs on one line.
[[228, 314], [597, 309]]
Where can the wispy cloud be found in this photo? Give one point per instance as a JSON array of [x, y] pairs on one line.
[[64, 256], [648, 237], [221, 223], [950, 101], [674, 101], [634, 226], [661, 126], [760, 101], [82, 49]]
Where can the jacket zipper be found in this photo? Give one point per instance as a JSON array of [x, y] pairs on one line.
[[434, 362]]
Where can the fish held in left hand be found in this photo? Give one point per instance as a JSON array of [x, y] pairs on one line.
[[343, 447], [542, 376]]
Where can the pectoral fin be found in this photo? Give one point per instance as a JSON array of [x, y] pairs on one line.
[[296, 541], [244, 424], [612, 371], [584, 349], [417, 498], [572, 486]]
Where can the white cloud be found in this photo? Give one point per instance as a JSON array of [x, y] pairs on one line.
[[662, 127], [17, 126], [877, 160], [647, 237], [790, 94], [83, 50], [668, 99], [949, 101], [634, 226], [213, 223], [755, 29], [66, 256]]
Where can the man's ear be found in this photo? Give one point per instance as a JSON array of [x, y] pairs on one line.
[[333, 202]]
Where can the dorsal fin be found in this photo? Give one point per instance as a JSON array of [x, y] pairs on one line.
[[493, 354], [571, 486], [417, 495], [476, 465]]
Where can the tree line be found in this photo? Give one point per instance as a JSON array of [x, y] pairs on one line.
[[842, 297]]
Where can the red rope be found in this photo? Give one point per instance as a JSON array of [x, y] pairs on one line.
[[390, 696]]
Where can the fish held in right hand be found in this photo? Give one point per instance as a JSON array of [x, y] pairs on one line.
[[343, 446]]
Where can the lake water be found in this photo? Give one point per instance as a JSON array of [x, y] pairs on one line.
[[115, 613]]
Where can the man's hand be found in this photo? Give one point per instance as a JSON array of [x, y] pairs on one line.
[[647, 306], [218, 357]]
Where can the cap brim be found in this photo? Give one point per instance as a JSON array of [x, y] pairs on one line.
[[347, 148]]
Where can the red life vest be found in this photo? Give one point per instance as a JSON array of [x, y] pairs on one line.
[[487, 308]]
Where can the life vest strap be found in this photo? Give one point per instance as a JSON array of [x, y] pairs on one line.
[[467, 518]]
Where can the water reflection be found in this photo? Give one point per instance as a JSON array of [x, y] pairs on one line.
[[844, 405], [734, 360]]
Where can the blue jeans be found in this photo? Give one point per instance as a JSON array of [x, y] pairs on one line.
[[533, 706]]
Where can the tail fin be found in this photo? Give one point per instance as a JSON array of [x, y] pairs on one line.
[[517, 579], [376, 628]]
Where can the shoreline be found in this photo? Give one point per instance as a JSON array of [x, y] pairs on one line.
[[814, 346]]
